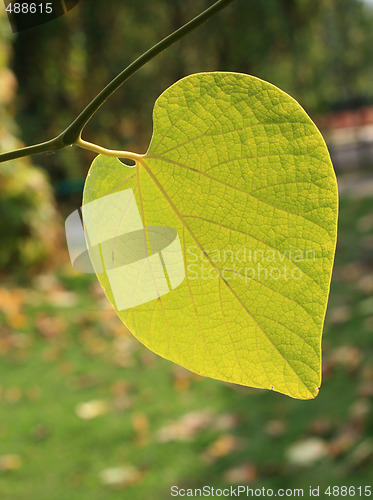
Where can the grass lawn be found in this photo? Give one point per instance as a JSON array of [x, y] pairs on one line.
[[88, 413]]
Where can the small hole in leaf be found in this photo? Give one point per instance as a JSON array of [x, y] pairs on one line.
[[127, 162]]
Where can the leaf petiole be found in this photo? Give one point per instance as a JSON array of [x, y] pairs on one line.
[[108, 152], [72, 134]]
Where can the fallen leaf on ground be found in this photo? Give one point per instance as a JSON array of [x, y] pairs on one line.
[[122, 402], [46, 282], [63, 298], [123, 349], [275, 428], [82, 381], [185, 428], [344, 441], [365, 284], [181, 378], [120, 387], [338, 315], [360, 411], [10, 462], [140, 424], [224, 445], [12, 395], [226, 421], [362, 453], [307, 451], [50, 326], [350, 273], [120, 476], [241, 474], [321, 426], [92, 409], [16, 320], [347, 356], [11, 300]]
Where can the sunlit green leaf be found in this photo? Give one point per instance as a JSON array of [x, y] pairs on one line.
[[242, 178]]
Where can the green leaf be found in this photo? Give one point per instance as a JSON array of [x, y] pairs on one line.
[[242, 174]]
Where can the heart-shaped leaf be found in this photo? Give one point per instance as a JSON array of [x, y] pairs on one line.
[[239, 183]]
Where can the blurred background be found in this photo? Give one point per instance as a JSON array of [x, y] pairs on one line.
[[87, 412]]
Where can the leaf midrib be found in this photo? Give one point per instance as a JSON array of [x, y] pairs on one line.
[[239, 190], [179, 215]]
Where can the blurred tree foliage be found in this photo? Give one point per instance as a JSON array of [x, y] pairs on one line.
[[28, 220], [319, 51]]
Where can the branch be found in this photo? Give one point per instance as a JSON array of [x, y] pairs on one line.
[[72, 134]]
